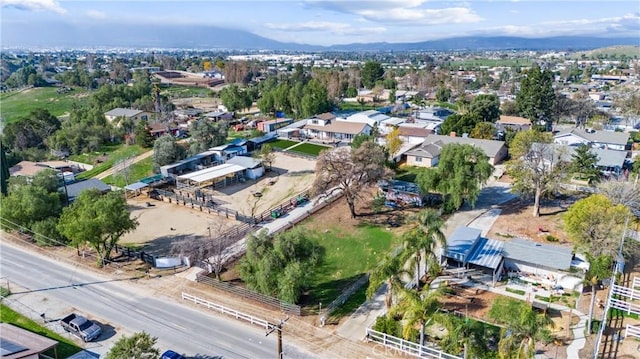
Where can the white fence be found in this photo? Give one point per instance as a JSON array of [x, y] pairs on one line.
[[624, 306], [224, 310], [407, 347], [633, 331], [631, 293]]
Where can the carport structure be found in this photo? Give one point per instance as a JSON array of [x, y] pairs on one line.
[[218, 176], [467, 248]]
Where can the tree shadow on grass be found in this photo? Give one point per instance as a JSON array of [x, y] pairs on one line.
[[325, 293]]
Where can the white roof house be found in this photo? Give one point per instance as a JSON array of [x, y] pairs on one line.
[[595, 138]]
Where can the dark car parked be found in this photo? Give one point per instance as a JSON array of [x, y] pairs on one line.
[[170, 354]]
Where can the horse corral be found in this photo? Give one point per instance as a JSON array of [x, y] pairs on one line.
[[162, 223]]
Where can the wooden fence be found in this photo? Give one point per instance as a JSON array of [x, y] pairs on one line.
[[283, 208], [288, 308], [196, 203], [135, 253]]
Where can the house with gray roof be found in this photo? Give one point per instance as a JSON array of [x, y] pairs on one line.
[[135, 115], [73, 190], [427, 154], [594, 138]]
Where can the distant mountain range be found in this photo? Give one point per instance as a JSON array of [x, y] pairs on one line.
[[50, 35]]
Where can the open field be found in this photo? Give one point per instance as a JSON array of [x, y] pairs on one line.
[[180, 91], [137, 171], [109, 156], [19, 104]]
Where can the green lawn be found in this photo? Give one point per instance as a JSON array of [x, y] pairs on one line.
[[66, 347], [115, 153], [137, 171], [409, 173], [347, 256], [15, 105], [282, 144], [309, 149]]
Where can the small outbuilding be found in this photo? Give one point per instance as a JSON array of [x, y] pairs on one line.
[[18, 343]]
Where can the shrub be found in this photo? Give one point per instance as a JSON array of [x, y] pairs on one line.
[[551, 238], [388, 325]]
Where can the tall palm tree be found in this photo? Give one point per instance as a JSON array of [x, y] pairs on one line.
[[422, 239], [389, 272], [417, 309], [523, 328]]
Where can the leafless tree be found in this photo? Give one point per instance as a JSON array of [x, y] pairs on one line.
[[349, 171], [212, 250], [623, 192]]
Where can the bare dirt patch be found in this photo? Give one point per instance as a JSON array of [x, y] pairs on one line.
[[163, 223], [516, 220], [288, 177]]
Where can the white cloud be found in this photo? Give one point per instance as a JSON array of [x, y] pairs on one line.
[[401, 12], [96, 14], [326, 26], [34, 5]]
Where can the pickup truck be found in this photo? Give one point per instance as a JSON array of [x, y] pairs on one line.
[[81, 327]]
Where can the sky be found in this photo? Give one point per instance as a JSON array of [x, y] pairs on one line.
[[319, 22]]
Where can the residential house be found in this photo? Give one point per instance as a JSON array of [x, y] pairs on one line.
[[599, 139], [414, 133], [427, 154], [73, 190], [135, 115], [513, 122], [18, 343], [334, 130], [372, 118], [219, 115]]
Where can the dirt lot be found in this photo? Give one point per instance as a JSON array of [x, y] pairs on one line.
[[162, 223], [290, 175]]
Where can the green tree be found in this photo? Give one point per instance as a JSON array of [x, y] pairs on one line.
[[422, 241], [314, 99], [487, 107], [266, 154], [206, 134], [466, 335], [349, 171], [166, 151], [461, 172], [4, 170], [139, 345], [359, 139], [536, 99], [484, 131], [372, 71], [30, 132], [595, 225], [351, 92], [143, 134], [443, 94], [29, 203], [97, 220], [584, 165], [388, 272], [417, 309], [281, 266], [523, 327], [460, 124], [537, 166]]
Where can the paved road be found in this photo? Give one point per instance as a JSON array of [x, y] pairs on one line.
[[119, 304]]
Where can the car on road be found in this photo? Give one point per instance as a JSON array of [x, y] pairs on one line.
[[170, 354]]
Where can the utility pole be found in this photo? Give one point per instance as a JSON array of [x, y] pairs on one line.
[[278, 327]]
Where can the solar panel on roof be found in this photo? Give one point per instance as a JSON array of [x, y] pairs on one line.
[[8, 347]]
